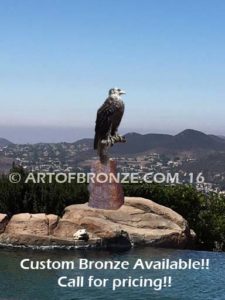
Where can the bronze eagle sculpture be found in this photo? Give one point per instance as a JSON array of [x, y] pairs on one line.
[[109, 116]]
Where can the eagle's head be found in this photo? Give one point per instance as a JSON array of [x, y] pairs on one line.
[[116, 93]]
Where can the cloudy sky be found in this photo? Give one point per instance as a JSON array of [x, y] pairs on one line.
[[58, 60]]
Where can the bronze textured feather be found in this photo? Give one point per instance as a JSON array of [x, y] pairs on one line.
[[108, 120]]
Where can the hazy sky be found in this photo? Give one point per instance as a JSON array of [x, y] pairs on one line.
[[58, 60]]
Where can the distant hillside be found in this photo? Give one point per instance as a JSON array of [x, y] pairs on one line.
[[208, 151], [4, 142], [137, 143], [187, 140], [192, 139], [87, 142]]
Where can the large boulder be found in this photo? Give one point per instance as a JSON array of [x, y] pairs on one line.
[[52, 222], [29, 229], [25, 223], [138, 222], [3, 222], [144, 221]]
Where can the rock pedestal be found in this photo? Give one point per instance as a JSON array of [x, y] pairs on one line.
[[139, 222], [105, 190]]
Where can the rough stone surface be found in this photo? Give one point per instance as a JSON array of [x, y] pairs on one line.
[[138, 222], [105, 192], [34, 224], [3, 222], [52, 222]]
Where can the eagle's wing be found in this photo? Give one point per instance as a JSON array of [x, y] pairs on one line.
[[104, 120]]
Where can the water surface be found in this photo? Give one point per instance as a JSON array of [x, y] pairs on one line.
[[18, 284]]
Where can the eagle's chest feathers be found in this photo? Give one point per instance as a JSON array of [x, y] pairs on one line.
[[117, 106]]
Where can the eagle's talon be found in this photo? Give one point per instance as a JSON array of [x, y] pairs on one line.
[[112, 140], [109, 141], [119, 137]]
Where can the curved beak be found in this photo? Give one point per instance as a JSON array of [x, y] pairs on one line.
[[122, 92]]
